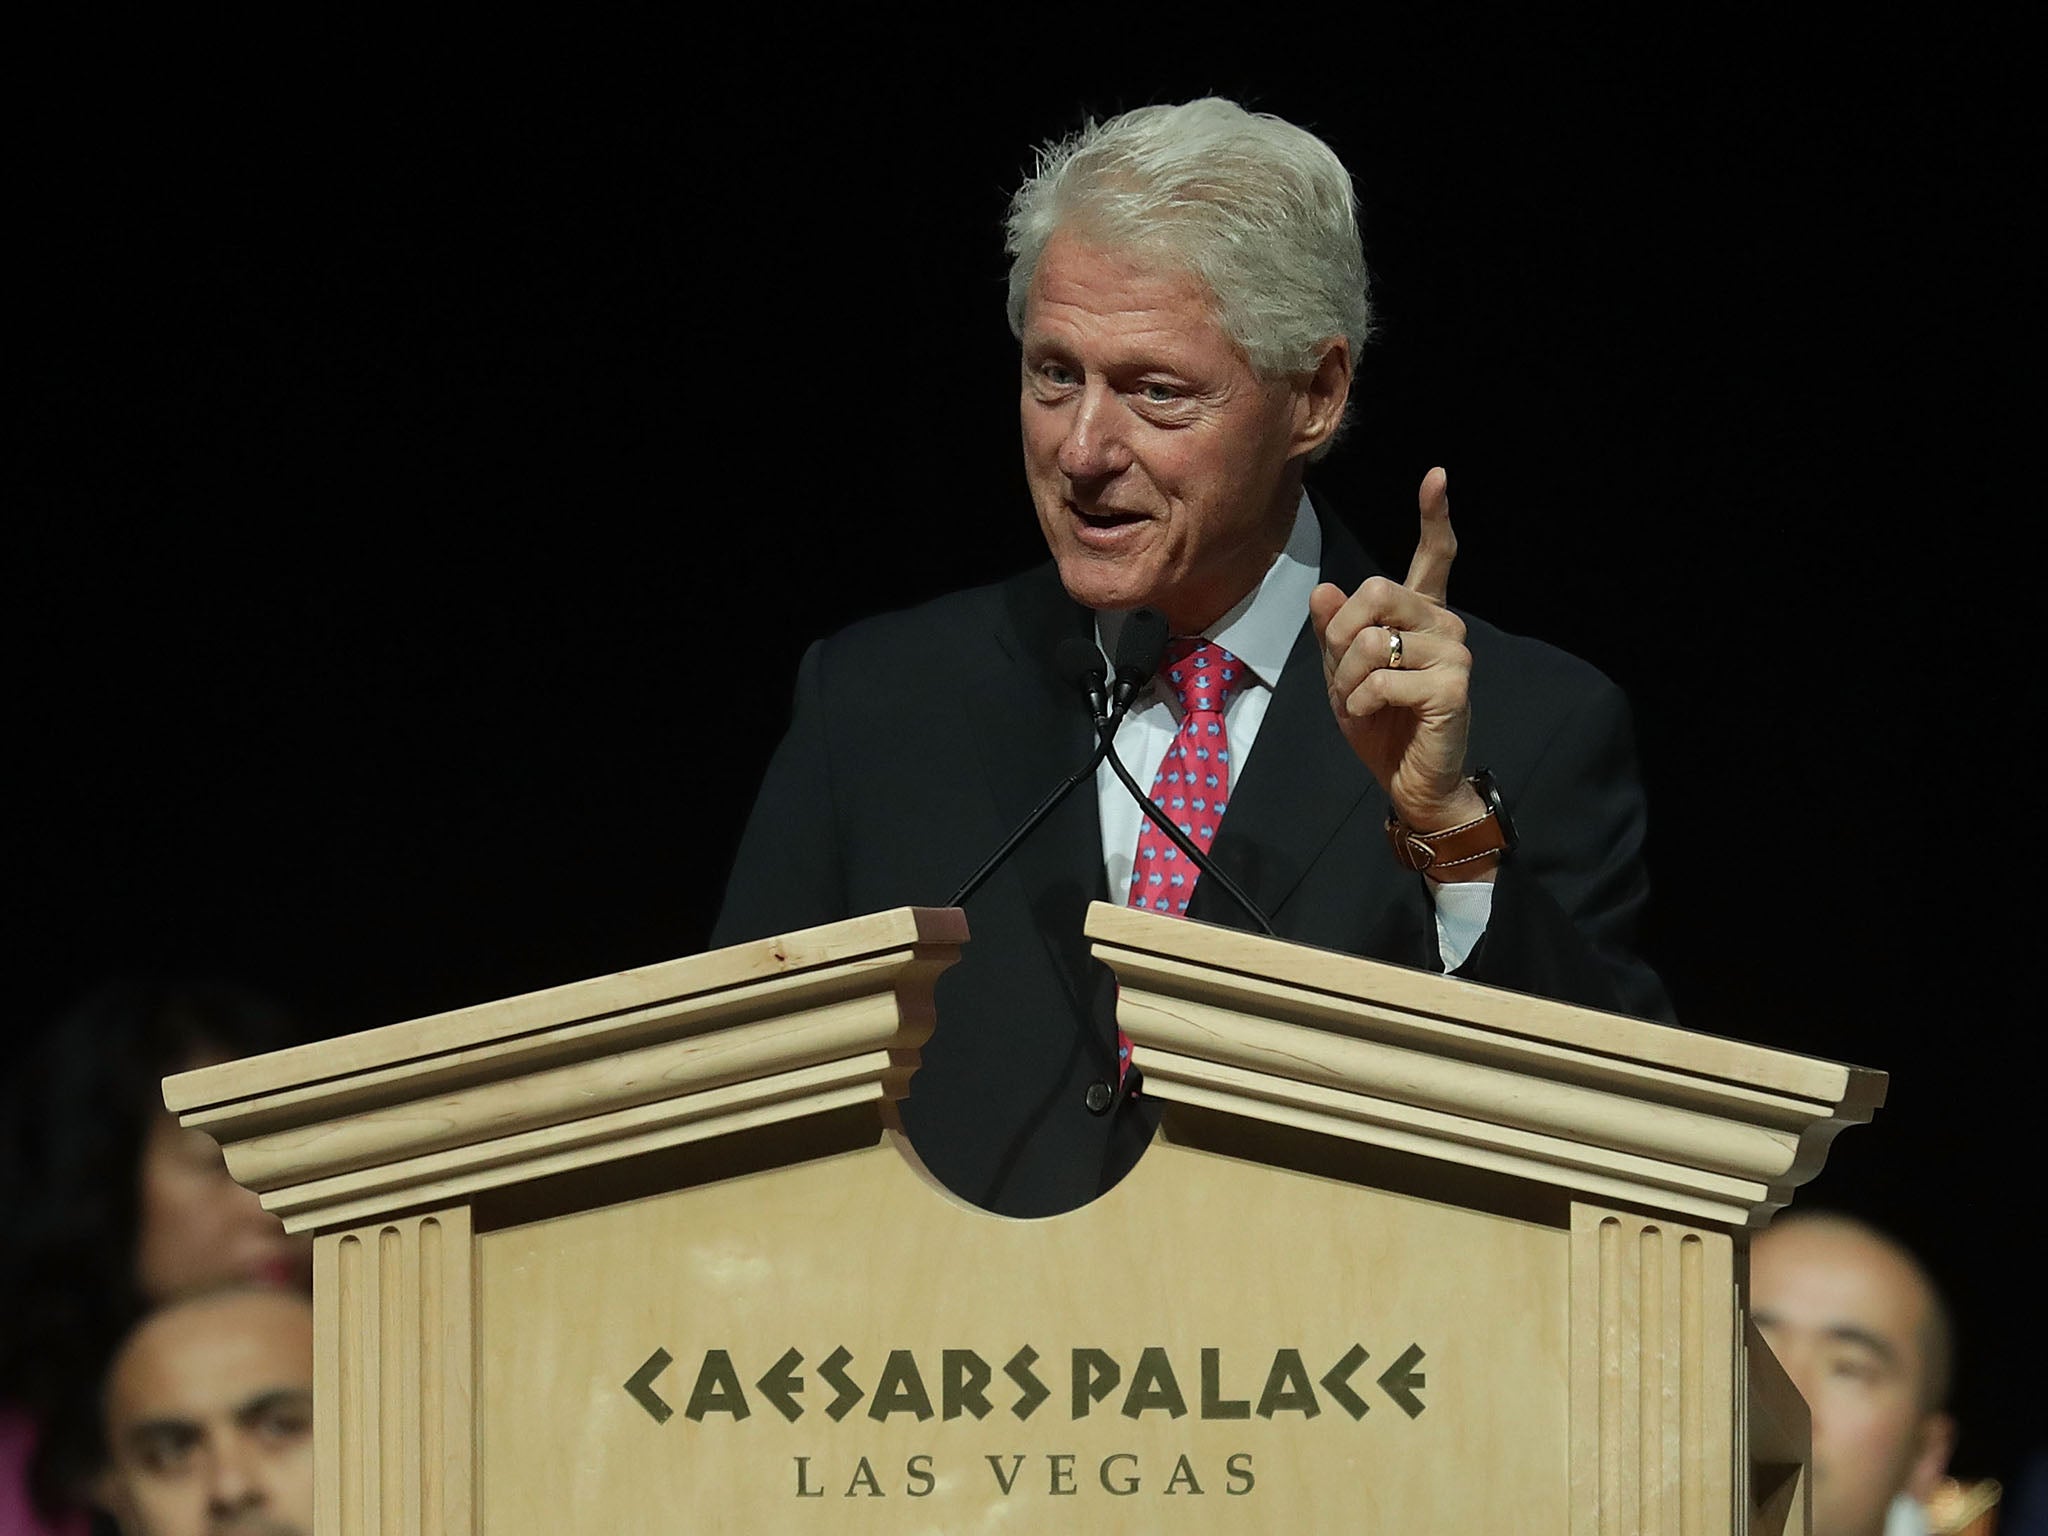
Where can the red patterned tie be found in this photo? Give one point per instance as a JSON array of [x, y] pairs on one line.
[[1192, 785]]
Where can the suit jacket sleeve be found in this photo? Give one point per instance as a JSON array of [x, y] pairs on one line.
[[1568, 905], [788, 873]]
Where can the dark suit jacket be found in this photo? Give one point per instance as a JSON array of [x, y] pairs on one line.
[[921, 738]]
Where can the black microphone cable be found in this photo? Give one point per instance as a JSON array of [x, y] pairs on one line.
[[1143, 645], [1079, 663]]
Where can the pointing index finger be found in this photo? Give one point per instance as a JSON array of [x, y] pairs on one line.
[[1430, 571]]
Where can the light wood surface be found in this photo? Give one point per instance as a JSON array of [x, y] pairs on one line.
[[815, 962], [394, 1335], [1407, 1254], [1654, 1329], [427, 1112], [1622, 1109], [1195, 1251]]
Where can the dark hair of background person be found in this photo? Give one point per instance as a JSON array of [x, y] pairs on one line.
[[74, 1117]]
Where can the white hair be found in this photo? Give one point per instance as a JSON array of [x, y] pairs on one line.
[[1261, 211]]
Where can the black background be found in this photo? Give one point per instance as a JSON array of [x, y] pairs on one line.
[[436, 466]]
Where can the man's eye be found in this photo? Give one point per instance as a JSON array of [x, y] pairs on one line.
[[1160, 394], [1856, 1368], [165, 1455], [286, 1421]]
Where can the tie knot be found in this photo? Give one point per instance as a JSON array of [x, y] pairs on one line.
[[1202, 675]]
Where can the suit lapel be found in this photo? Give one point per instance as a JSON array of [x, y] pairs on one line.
[[1299, 789], [1032, 731], [1302, 782]]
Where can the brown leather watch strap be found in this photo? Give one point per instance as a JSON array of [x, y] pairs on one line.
[[1485, 836]]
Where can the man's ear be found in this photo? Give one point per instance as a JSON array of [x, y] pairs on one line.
[[1937, 1439], [1322, 394]]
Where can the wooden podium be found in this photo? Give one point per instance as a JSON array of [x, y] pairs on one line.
[[647, 1254]]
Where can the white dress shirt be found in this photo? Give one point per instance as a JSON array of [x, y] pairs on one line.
[[1259, 632]]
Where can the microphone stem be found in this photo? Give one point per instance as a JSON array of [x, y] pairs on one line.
[[1044, 808]]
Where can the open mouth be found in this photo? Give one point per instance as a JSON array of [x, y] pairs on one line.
[[1104, 517]]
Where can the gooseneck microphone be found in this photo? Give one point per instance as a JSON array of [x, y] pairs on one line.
[[1079, 664], [1140, 647], [1139, 650]]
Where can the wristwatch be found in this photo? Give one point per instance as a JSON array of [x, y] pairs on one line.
[[1489, 836]]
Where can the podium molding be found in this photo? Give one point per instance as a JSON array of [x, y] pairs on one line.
[[510, 1202]]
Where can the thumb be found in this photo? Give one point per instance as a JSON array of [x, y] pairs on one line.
[[1323, 604]]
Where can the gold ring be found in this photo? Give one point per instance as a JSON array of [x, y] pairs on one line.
[[1394, 649]]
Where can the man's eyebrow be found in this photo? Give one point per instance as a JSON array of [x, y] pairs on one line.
[[1841, 1333], [1876, 1343], [146, 1430], [272, 1400]]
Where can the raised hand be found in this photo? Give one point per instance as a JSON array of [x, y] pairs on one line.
[[1400, 678]]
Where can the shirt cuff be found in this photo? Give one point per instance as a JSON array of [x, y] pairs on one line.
[[1462, 912]]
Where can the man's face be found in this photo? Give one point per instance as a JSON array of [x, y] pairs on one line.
[[210, 1420], [1847, 1317], [1158, 459]]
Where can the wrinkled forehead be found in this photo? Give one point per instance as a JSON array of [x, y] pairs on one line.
[[1148, 257], [1133, 291]]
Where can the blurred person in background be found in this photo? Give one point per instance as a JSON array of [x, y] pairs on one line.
[[107, 1210], [1864, 1335], [209, 1418]]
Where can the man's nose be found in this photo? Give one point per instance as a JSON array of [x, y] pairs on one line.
[[1095, 446], [234, 1481]]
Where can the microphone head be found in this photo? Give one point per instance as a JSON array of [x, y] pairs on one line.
[[1140, 647], [1079, 664]]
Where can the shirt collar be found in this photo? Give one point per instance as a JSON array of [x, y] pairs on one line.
[[1259, 629]]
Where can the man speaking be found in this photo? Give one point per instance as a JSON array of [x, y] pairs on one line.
[[1380, 775]]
